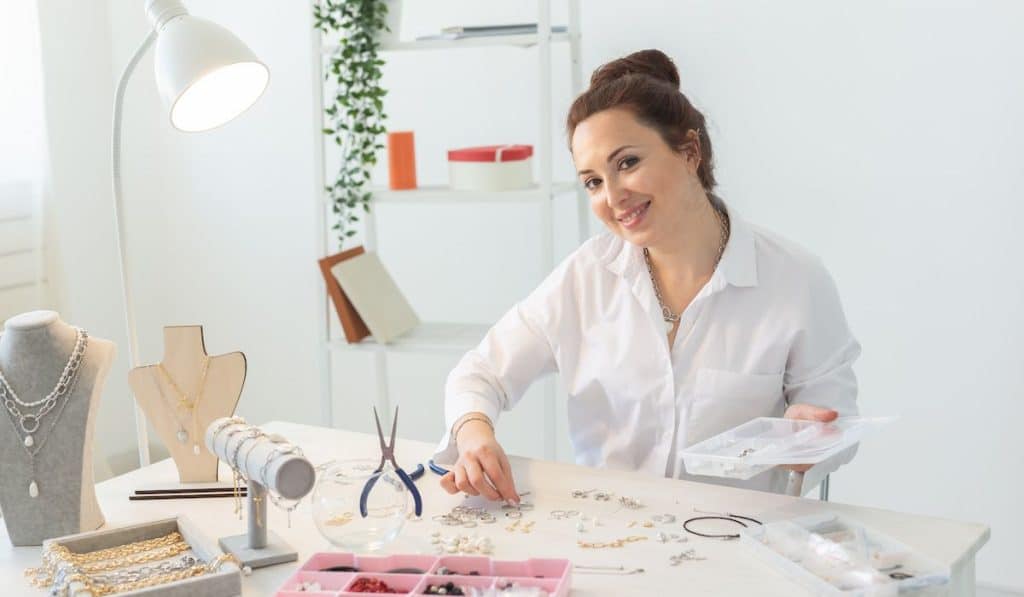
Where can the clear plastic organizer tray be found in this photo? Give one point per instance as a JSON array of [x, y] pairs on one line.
[[763, 443], [834, 556], [412, 574]]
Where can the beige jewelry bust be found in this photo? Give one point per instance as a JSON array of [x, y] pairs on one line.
[[186, 391]]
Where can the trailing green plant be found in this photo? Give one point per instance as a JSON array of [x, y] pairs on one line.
[[355, 117]]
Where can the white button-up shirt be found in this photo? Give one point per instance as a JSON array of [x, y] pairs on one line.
[[767, 330]]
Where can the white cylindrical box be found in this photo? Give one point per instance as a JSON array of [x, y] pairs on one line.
[[491, 168]]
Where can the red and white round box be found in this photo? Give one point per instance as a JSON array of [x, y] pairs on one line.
[[491, 168]]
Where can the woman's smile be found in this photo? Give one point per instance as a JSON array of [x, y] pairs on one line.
[[633, 218]]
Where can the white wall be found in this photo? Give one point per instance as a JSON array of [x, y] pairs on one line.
[[884, 136]]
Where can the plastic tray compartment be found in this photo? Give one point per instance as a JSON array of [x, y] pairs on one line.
[[330, 583], [763, 443], [550, 575], [835, 556]]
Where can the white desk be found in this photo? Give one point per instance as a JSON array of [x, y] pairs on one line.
[[729, 569]]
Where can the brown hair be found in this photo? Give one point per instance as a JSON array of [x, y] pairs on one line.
[[647, 84]]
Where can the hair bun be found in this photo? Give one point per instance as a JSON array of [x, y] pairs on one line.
[[653, 63]]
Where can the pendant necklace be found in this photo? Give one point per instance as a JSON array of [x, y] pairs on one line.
[[667, 315], [190, 405], [28, 422]]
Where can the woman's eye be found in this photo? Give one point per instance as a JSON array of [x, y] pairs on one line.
[[628, 162], [591, 183]]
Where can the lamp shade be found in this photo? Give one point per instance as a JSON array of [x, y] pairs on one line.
[[205, 74]]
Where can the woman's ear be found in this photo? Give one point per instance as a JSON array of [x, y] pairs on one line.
[[690, 149]]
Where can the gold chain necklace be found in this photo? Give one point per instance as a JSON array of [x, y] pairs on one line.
[[123, 556], [667, 315], [184, 402], [57, 554]]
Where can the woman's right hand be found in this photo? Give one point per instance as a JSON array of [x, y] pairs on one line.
[[482, 467]]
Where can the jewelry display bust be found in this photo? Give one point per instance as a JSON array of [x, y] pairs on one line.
[[51, 379], [186, 391]]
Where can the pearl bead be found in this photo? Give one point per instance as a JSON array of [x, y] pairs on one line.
[[29, 442], [33, 489]]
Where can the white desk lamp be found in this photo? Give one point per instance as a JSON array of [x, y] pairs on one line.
[[206, 77]]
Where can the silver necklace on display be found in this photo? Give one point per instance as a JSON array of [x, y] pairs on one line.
[[65, 386], [28, 421], [667, 315]]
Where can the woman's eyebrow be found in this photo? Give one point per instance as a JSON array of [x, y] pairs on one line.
[[611, 157]]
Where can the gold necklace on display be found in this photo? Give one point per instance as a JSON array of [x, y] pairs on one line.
[[190, 405]]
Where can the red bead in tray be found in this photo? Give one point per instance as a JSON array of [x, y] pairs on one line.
[[369, 585], [336, 574]]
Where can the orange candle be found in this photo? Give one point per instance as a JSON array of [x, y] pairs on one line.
[[401, 160]]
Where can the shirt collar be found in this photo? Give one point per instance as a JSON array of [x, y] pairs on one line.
[[737, 267]]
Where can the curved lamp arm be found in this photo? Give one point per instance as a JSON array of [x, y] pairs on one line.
[[141, 431]]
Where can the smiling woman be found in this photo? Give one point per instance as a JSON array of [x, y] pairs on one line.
[[678, 323]]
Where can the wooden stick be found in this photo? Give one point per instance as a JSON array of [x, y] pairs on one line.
[[183, 490], [184, 496]]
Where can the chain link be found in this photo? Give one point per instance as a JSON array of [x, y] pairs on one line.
[[723, 224]]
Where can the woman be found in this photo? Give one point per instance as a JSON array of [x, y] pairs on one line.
[[678, 323]]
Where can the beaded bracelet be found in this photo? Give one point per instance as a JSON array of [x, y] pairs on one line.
[[235, 420], [455, 434], [279, 449], [253, 434]]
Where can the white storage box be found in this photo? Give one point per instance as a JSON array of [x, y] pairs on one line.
[[835, 556], [491, 168], [767, 442]]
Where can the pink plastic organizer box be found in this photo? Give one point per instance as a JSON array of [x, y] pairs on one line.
[[550, 575]]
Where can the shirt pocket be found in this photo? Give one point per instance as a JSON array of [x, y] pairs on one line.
[[725, 399]]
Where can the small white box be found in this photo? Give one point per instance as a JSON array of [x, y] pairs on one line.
[[491, 168]]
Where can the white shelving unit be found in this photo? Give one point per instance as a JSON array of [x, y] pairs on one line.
[[442, 337]]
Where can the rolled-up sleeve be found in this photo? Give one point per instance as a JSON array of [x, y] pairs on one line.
[[819, 369]]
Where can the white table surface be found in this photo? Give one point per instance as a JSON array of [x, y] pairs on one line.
[[730, 569]]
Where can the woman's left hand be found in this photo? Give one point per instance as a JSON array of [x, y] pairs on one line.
[[807, 412]]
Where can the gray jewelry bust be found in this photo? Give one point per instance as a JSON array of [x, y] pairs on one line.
[[35, 348]]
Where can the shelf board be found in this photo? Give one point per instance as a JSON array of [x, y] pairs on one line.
[[427, 337], [445, 194], [516, 41]]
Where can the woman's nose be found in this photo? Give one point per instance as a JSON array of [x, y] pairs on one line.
[[615, 193]]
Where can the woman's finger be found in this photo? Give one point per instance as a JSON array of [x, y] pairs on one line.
[[475, 475], [448, 483], [507, 486], [462, 481], [809, 412]]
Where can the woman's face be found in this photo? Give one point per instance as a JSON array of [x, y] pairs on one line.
[[638, 186]]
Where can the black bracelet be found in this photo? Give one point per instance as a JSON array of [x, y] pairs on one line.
[[731, 518]]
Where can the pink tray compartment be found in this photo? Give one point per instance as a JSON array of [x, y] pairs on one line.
[[404, 583], [551, 575], [330, 582], [382, 564], [480, 582], [328, 559], [463, 565]]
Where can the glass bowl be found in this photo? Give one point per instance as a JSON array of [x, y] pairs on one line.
[[336, 505]]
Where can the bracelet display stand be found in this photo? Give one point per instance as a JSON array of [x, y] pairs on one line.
[[264, 461], [183, 393]]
